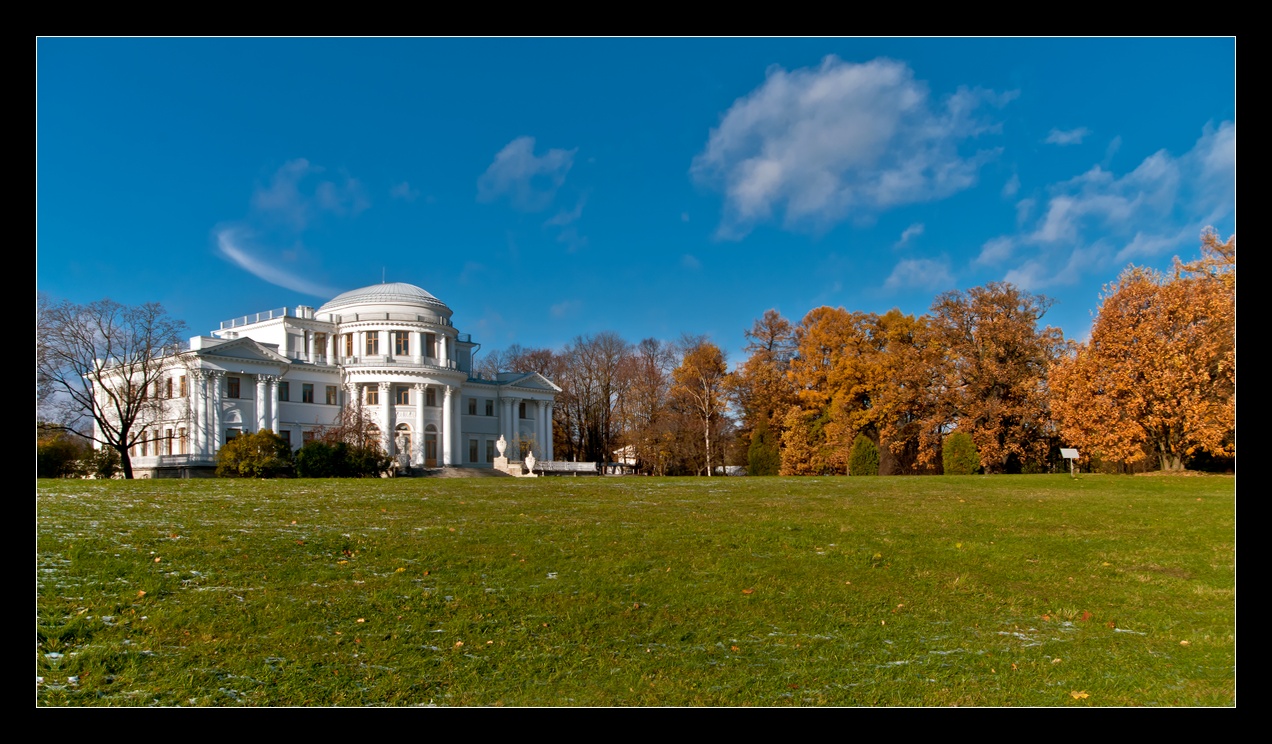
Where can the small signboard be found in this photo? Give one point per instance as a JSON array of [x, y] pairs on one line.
[[1071, 455]]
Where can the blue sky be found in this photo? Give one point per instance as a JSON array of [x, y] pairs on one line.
[[551, 188]]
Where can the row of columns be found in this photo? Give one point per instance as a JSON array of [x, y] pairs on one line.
[[205, 413], [385, 344], [388, 423], [510, 427]]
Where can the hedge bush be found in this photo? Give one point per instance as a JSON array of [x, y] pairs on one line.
[[958, 453]]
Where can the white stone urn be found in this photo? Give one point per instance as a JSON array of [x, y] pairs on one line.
[[530, 461], [501, 445]]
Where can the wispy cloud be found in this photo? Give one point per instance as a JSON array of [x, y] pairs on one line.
[[841, 140], [404, 192], [908, 234], [529, 181], [565, 308], [919, 273], [1098, 219], [691, 262], [233, 245], [1011, 187], [268, 240], [1067, 136]]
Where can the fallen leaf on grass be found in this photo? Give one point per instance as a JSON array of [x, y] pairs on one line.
[[141, 592], [1079, 694], [1183, 643], [1046, 618], [458, 644], [1056, 660], [1086, 616], [1111, 624], [735, 649], [362, 619], [400, 570], [156, 560], [748, 591]]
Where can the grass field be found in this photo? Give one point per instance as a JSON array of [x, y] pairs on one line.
[[1007, 590]]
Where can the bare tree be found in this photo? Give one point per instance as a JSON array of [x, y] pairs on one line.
[[102, 363]]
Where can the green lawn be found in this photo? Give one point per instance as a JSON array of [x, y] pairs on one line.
[[1006, 590]]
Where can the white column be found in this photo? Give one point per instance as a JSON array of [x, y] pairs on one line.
[[273, 403], [514, 421], [441, 342], [199, 406], [386, 418], [309, 346], [352, 395], [331, 348], [261, 402], [215, 439], [547, 426], [539, 436], [446, 427], [417, 442]]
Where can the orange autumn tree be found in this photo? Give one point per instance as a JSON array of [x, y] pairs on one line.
[[1158, 377]]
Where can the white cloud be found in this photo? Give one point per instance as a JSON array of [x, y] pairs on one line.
[[823, 144], [404, 191], [1098, 219], [529, 181], [1067, 136], [920, 273], [285, 200], [282, 199], [564, 218], [996, 251], [1011, 187], [913, 231], [564, 308], [347, 198], [232, 244], [689, 261]]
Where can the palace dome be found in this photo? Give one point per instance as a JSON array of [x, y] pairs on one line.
[[389, 293]]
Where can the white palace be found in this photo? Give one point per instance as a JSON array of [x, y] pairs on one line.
[[389, 347]]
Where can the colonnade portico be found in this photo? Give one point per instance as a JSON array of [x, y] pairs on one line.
[[422, 420]]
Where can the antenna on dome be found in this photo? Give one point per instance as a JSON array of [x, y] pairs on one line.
[[382, 279]]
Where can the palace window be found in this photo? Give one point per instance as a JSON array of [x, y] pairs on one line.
[[231, 387], [403, 396], [307, 436], [490, 451], [401, 343], [184, 390], [183, 441], [167, 445], [373, 396], [521, 410], [232, 434], [490, 408], [284, 390], [145, 445], [430, 397], [333, 395], [168, 387], [348, 344], [472, 450], [307, 392], [430, 344], [373, 343], [286, 436], [472, 407]]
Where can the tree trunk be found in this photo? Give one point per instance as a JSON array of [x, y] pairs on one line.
[[125, 462]]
